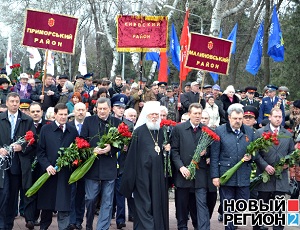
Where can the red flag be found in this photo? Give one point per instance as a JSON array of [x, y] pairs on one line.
[[184, 42], [163, 69]]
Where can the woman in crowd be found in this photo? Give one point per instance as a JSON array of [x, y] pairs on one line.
[[23, 88]]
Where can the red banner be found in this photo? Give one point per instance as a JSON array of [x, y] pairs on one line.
[[209, 53], [142, 33], [50, 31]]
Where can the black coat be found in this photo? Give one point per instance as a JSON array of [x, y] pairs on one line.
[[105, 166], [255, 103], [183, 145], [190, 97], [226, 103], [49, 101], [21, 162], [55, 194]]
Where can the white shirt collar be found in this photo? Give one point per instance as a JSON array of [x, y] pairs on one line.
[[64, 126], [273, 128]]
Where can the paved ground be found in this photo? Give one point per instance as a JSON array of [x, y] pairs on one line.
[[215, 224]]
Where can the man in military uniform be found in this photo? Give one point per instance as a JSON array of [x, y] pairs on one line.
[[268, 103], [250, 116], [295, 118], [88, 84], [161, 90], [283, 92], [250, 91], [24, 106], [171, 103]]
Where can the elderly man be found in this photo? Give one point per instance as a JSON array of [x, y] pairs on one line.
[[234, 139], [144, 171], [194, 96], [102, 175], [78, 188]]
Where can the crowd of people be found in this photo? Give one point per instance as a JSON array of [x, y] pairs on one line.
[[58, 110]]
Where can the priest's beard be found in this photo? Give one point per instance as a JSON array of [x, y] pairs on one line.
[[153, 125]]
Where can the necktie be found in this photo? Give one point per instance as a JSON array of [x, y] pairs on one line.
[[61, 127], [12, 124], [36, 125], [195, 129], [250, 102], [237, 132], [79, 128], [276, 131]]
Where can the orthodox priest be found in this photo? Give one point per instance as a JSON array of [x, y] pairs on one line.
[[143, 176]]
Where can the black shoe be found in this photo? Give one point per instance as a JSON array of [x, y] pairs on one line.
[[121, 225], [36, 223], [78, 226], [130, 219], [220, 218], [29, 225], [71, 227]]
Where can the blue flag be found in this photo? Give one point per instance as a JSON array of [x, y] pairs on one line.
[[153, 56], [255, 55], [215, 76], [175, 48], [232, 37], [275, 43]]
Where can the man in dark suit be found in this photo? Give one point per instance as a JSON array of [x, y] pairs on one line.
[[265, 160], [102, 175], [194, 96], [36, 113], [50, 96], [268, 103], [15, 124], [184, 140], [78, 188], [250, 91], [55, 194]]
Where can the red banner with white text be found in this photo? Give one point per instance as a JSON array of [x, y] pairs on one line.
[[45, 30], [142, 33], [209, 53]]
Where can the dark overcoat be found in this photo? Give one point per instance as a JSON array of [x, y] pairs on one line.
[[105, 166], [183, 145], [271, 157], [21, 162], [55, 194]]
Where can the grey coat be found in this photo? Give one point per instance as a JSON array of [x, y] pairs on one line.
[[229, 151], [263, 159]]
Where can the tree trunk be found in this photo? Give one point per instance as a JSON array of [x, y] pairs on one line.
[[111, 42], [98, 38]]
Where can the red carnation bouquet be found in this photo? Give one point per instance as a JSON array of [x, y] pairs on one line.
[[262, 143], [68, 157], [27, 138], [206, 139], [165, 125], [15, 73], [291, 160], [117, 137]]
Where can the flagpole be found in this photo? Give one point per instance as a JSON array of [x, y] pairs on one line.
[[202, 84], [44, 76]]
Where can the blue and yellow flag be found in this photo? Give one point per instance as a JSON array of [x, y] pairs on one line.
[[175, 48], [275, 43], [255, 55]]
